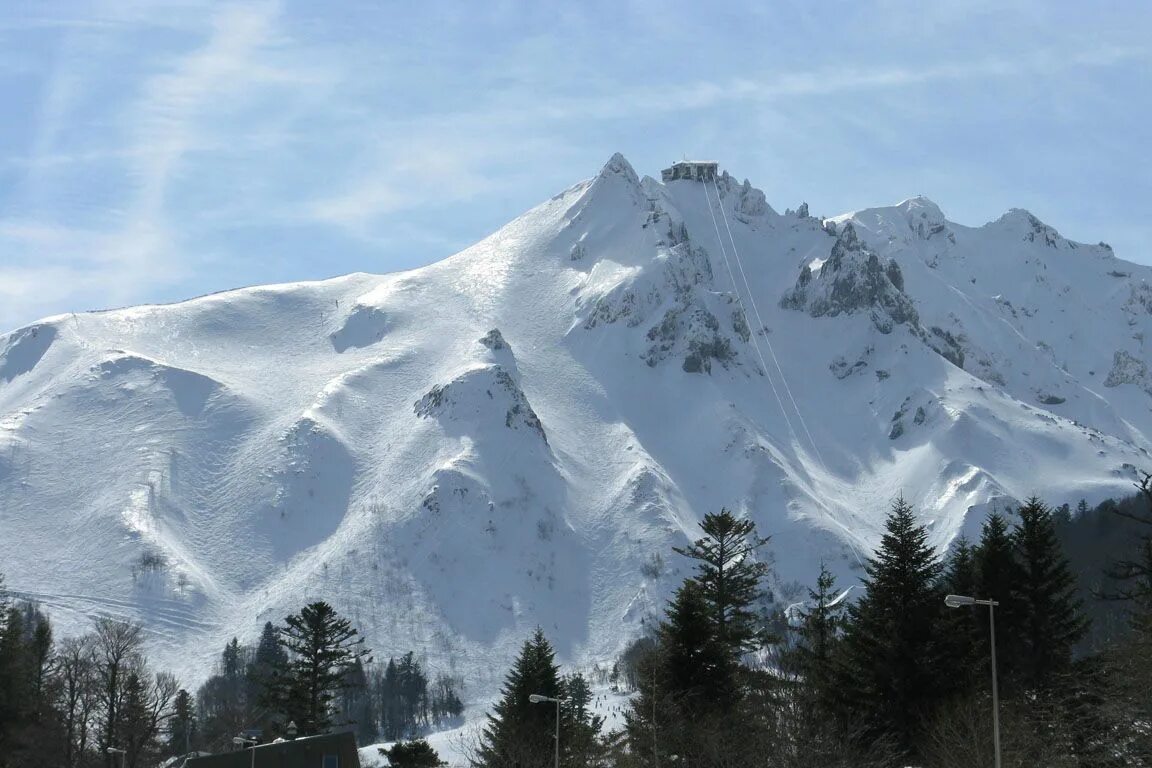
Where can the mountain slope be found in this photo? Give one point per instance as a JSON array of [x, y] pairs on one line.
[[518, 434]]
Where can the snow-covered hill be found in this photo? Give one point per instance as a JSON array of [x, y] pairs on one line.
[[518, 434]]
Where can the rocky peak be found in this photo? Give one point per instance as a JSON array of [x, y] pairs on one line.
[[852, 280]]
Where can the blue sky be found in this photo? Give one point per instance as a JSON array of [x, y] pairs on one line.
[[154, 150]]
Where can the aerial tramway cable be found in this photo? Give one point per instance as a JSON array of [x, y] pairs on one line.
[[760, 322], [771, 350], [740, 303]]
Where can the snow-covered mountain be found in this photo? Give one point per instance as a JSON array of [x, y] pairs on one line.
[[518, 434]]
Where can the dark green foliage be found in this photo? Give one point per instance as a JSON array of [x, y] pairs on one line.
[[998, 576], [891, 670], [519, 732], [819, 629], [225, 703], [730, 578], [697, 669], [412, 754], [321, 647], [627, 667], [402, 696], [580, 729], [357, 706], [183, 734], [691, 684], [1045, 594]]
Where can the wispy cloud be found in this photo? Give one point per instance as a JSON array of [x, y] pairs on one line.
[[160, 150]]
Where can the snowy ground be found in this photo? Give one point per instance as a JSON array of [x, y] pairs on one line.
[[207, 466]]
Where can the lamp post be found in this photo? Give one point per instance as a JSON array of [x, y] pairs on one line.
[[117, 751], [536, 698], [957, 601], [252, 742]]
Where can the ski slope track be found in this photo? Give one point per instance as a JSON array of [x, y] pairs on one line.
[[517, 435]]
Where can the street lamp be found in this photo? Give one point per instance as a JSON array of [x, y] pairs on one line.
[[536, 698], [117, 751], [252, 742], [957, 601]]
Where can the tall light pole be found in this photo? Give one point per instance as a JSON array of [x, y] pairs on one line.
[[117, 751], [251, 742], [536, 698], [957, 601]]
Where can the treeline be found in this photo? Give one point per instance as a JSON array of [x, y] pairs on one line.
[[378, 702], [94, 701], [892, 678], [65, 704], [259, 690]]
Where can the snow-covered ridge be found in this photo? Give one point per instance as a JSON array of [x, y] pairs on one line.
[[518, 434]]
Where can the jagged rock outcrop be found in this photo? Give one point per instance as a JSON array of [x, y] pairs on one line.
[[1128, 369], [852, 280]]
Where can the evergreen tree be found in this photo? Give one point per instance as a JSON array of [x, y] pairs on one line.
[[580, 741], [819, 628], [356, 704], [1050, 615], [391, 707], [412, 754], [182, 733], [321, 647], [519, 733], [1132, 569], [998, 576], [891, 672], [268, 657], [730, 578], [696, 668], [225, 706]]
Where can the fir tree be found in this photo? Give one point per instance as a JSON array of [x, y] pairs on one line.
[[356, 705], [998, 576], [182, 732], [1050, 617], [519, 733], [819, 629], [891, 672], [964, 638], [580, 741], [730, 578], [412, 754], [1132, 570], [696, 669], [321, 647]]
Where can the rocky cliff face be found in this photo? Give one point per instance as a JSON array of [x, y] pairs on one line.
[[517, 436]]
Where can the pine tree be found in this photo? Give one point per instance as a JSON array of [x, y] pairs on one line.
[[268, 657], [730, 578], [224, 700], [390, 703], [321, 646], [820, 628], [182, 732], [412, 754], [580, 742], [1050, 614], [519, 733], [998, 576], [356, 704], [696, 669], [891, 672]]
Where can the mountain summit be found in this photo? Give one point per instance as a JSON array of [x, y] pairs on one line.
[[516, 436]]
